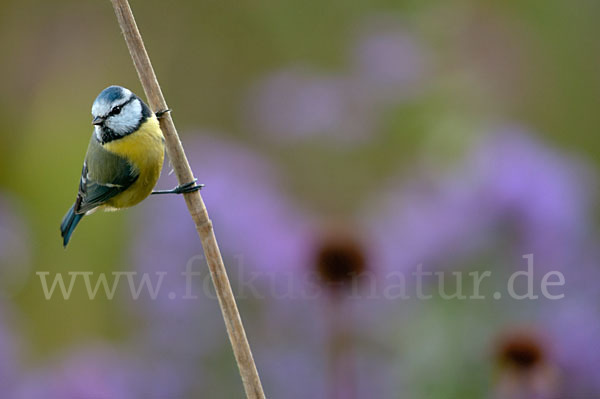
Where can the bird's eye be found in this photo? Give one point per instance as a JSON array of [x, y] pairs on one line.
[[116, 110]]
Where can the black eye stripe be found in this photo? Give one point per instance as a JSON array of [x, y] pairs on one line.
[[117, 109]]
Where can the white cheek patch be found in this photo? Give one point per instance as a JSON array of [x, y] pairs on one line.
[[127, 120]]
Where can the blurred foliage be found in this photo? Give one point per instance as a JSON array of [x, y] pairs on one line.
[[533, 62]]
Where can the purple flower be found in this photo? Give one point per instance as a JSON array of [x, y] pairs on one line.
[[295, 103], [544, 194], [388, 61], [261, 232], [512, 195], [312, 323], [184, 325], [252, 217], [509, 183], [525, 367], [251, 226], [426, 223]]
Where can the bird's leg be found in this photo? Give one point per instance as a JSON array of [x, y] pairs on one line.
[[160, 114], [182, 189]]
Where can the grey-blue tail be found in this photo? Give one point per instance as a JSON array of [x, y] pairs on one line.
[[68, 224]]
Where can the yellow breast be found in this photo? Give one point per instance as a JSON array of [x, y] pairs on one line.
[[145, 149]]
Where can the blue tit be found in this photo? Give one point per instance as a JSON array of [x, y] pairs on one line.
[[123, 160]]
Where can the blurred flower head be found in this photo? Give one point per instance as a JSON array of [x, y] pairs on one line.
[[300, 265], [509, 183], [256, 230], [292, 104], [339, 259], [525, 367], [521, 350], [544, 194], [388, 62], [297, 103]]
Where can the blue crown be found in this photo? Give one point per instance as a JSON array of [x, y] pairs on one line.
[[111, 94]]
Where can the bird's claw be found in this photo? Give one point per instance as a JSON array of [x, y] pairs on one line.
[[182, 189], [160, 114]]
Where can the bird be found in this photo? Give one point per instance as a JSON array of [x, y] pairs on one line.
[[124, 158]]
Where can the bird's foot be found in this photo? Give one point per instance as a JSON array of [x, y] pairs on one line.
[[182, 189], [160, 114]]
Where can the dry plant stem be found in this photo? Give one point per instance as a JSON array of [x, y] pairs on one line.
[[195, 204]]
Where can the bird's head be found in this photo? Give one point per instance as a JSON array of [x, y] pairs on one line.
[[117, 112]]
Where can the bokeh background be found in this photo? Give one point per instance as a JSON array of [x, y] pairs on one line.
[[336, 139]]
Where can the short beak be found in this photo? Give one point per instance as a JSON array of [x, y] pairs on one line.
[[98, 120]]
